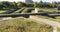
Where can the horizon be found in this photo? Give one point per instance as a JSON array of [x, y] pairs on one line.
[[33, 0]]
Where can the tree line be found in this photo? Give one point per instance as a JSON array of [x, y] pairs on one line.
[[5, 4]]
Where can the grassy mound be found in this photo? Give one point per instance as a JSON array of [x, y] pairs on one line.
[[23, 25]]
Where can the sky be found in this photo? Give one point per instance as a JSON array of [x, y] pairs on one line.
[[33, 0]]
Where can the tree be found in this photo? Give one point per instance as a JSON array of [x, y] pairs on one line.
[[52, 5], [5, 3], [35, 4], [41, 4], [14, 4], [20, 4]]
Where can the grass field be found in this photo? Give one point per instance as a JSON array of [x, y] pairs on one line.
[[24, 11], [2, 11], [49, 9], [57, 19], [23, 25]]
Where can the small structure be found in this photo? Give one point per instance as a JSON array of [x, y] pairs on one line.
[[36, 10], [28, 1]]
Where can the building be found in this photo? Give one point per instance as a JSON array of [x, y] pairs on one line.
[[28, 1]]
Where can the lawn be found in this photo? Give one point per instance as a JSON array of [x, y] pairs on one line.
[[2, 11], [24, 11], [23, 25], [49, 9], [57, 19]]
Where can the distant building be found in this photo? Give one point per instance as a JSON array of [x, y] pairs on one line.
[[28, 1], [57, 2]]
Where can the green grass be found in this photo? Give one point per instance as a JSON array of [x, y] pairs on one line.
[[49, 9], [58, 29], [2, 11], [57, 19], [23, 25], [24, 11]]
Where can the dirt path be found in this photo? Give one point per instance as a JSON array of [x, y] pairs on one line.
[[46, 21]]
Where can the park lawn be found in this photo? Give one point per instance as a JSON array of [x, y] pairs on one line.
[[57, 19], [49, 9], [24, 11], [58, 29], [23, 25], [33, 11], [2, 11]]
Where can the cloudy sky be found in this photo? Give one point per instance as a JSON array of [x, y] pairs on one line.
[[33, 0]]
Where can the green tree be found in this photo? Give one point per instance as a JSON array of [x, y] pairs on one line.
[[5, 3], [14, 4], [41, 4], [52, 5], [20, 4], [35, 4]]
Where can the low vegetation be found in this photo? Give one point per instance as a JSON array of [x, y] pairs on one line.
[[23, 25]]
